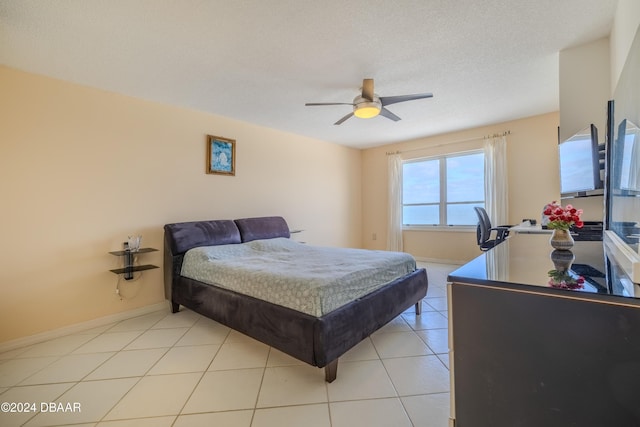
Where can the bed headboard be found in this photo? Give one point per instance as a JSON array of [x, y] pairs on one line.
[[266, 227], [182, 236]]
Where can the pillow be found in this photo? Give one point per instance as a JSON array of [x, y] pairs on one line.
[[183, 236], [267, 227]]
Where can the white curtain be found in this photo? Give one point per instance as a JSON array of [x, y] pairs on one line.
[[495, 183], [394, 229]]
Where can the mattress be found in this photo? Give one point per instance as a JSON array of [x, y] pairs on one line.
[[311, 279]]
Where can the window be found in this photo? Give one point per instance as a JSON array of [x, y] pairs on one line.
[[443, 190]]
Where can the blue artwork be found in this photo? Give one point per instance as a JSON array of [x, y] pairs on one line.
[[221, 156]]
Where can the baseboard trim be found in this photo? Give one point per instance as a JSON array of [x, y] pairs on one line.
[[79, 327]]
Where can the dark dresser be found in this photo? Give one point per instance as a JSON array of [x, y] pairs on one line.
[[524, 353]]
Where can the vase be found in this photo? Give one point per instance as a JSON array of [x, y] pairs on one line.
[[562, 260], [561, 240]]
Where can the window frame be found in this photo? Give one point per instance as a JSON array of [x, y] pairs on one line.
[[443, 202]]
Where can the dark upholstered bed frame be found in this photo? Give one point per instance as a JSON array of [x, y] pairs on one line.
[[318, 341]]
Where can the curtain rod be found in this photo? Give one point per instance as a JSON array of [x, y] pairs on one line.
[[495, 135]]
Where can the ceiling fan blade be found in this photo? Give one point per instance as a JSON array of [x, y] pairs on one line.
[[389, 115], [367, 89], [342, 120], [388, 100], [315, 104]]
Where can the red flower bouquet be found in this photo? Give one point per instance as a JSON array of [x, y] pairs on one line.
[[564, 280], [562, 218]]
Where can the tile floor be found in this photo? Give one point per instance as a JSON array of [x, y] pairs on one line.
[[184, 370]]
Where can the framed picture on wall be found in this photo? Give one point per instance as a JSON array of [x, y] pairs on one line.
[[221, 155]]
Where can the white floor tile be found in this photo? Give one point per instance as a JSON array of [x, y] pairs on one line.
[[428, 410], [396, 325], [399, 344], [182, 319], [436, 292], [96, 330], [140, 422], [361, 380], [292, 385], [293, 416], [204, 331], [185, 359], [214, 419], [444, 358], [140, 323], [131, 363], [427, 320], [439, 303], [157, 338], [58, 346], [278, 358], [418, 375], [364, 350], [162, 370], [436, 339], [16, 370], [114, 341], [239, 355], [369, 413], [95, 399], [70, 368], [29, 394], [235, 336], [426, 308], [155, 395], [225, 391]]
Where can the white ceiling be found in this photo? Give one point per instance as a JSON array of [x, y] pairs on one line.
[[260, 61]]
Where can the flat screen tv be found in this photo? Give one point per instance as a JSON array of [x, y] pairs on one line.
[[580, 165]]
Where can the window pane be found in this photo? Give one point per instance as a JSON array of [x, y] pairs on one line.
[[421, 215], [421, 182], [463, 214], [465, 178]]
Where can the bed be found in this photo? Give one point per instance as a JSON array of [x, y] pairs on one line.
[[319, 329]]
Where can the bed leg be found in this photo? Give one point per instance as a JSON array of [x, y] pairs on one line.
[[331, 371], [175, 307], [419, 308]]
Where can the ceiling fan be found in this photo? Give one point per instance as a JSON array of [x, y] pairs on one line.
[[368, 104]]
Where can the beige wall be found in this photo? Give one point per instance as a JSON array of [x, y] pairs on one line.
[[533, 182], [584, 88], [83, 168], [625, 26]]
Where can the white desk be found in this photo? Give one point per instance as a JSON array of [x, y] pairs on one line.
[[530, 229]]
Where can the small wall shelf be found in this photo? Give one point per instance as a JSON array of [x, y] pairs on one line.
[[129, 268]]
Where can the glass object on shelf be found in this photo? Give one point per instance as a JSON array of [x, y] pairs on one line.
[[133, 243]]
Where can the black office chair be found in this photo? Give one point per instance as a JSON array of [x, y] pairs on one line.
[[484, 231]]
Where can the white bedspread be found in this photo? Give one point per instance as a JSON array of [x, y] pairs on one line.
[[311, 279]]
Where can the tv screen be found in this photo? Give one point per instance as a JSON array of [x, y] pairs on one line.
[[579, 164]]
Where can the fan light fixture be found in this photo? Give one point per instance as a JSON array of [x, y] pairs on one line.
[[369, 105], [365, 109]]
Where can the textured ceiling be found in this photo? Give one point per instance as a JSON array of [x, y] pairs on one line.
[[260, 61]]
